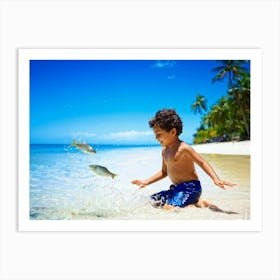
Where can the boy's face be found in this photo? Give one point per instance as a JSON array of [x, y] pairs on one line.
[[164, 137]]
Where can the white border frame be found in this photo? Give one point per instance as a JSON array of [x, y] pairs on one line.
[[255, 222]]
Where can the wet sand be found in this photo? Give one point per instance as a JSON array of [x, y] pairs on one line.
[[235, 169]]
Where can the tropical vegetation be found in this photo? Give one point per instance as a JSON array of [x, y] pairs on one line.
[[229, 118]]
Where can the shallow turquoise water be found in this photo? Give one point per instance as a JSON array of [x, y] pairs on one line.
[[63, 187]]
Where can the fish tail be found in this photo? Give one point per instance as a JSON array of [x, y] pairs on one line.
[[114, 175]]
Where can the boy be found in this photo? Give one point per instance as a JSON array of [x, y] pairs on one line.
[[178, 160]]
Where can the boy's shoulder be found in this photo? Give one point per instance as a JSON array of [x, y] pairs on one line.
[[185, 146]]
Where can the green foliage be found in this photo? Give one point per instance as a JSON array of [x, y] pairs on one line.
[[204, 135], [229, 118], [199, 105]]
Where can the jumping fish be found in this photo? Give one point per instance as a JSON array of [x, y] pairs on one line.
[[102, 171], [84, 147]]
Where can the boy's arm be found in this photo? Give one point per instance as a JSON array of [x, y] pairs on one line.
[[158, 176], [207, 168]]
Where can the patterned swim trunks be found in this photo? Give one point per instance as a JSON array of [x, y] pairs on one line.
[[179, 195]]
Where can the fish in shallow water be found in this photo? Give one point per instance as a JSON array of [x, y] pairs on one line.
[[84, 147], [102, 171]]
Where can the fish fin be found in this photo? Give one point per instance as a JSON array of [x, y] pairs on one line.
[[74, 143]]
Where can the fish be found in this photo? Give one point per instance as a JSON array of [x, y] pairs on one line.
[[102, 171], [84, 147]]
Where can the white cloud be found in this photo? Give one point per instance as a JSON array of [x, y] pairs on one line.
[[83, 135], [164, 64], [128, 135]]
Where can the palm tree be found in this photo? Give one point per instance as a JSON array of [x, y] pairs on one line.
[[218, 116], [231, 68], [199, 105], [236, 73], [241, 92]]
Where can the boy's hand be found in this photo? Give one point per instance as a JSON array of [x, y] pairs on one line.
[[222, 184], [140, 183]]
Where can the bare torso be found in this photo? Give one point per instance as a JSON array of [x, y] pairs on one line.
[[179, 166]]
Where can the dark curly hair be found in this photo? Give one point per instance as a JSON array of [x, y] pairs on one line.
[[167, 119]]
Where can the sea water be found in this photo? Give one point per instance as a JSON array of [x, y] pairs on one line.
[[62, 186]]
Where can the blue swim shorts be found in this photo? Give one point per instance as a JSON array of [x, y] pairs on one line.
[[178, 195]]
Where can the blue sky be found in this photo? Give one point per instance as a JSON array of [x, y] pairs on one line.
[[111, 101]]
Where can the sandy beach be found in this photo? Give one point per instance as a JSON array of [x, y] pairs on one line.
[[224, 148]]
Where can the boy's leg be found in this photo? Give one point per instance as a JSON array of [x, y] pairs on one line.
[[203, 203], [168, 207], [158, 200]]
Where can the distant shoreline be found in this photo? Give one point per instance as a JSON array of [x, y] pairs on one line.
[[226, 148]]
